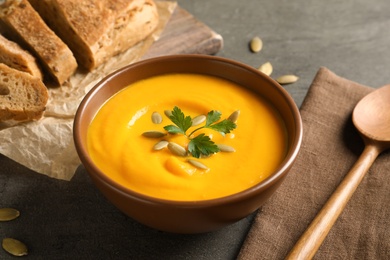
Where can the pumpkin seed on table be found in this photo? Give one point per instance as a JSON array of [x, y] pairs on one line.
[[198, 120], [177, 149], [266, 68], [7, 214], [14, 247], [287, 79], [234, 116], [256, 44], [153, 134], [197, 164], [226, 148], [156, 118]]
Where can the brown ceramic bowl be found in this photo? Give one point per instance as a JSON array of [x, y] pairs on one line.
[[192, 216]]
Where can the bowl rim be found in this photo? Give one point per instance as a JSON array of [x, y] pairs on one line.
[[279, 173]]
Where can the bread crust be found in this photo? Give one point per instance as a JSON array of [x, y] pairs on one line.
[[97, 30], [15, 57], [23, 97], [24, 25]]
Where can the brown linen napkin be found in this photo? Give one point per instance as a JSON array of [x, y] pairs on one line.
[[330, 147]]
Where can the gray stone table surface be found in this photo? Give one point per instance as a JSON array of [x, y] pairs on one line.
[[71, 220], [349, 37]]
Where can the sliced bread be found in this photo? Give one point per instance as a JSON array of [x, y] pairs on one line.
[[22, 96], [96, 30], [24, 25], [14, 56]]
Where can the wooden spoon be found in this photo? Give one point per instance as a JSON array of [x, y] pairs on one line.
[[371, 117]]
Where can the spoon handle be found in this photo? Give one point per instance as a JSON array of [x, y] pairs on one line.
[[310, 241]]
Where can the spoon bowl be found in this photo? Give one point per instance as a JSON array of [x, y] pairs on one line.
[[371, 118]]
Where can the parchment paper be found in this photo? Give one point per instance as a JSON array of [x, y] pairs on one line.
[[46, 146]]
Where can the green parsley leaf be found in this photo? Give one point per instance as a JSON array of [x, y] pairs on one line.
[[225, 126], [172, 129], [180, 120], [212, 117], [202, 145]]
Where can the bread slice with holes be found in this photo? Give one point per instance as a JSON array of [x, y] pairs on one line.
[[96, 30], [15, 57], [21, 23], [23, 97]]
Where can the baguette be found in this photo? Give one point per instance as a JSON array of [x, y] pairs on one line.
[[24, 25], [96, 30], [15, 57], [23, 97]]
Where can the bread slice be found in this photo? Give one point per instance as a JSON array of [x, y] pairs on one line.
[[24, 25], [22, 96], [14, 56], [96, 30]]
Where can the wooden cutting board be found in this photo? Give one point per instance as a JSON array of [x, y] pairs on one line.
[[184, 34]]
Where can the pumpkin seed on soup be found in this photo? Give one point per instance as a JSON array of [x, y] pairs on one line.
[[198, 120], [160, 145], [153, 134], [177, 149], [168, 113], [197, 164], [234, 116], [226, 148], [156, 117]]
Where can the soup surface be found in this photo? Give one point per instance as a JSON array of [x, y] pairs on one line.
[[118, 147]]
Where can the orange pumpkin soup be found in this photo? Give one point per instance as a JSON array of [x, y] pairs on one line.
[[118, 147]]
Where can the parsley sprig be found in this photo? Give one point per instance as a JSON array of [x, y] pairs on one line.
[[200, 144]]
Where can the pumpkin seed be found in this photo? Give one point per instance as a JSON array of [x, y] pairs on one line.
[[14, 247], [156, 118], [256, 44], [266, 68], [198, 164], [153, 134], [287, 79], [168, 113], [177, 149], [7, 214], [198, 120], [160, 145], [234, 116], [226, 148]]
